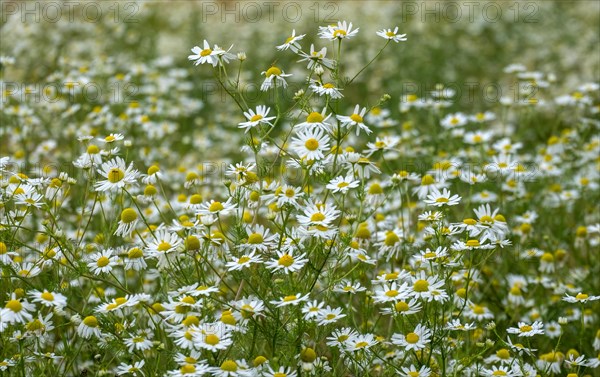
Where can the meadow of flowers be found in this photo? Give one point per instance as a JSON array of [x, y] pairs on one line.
[[299, 198]]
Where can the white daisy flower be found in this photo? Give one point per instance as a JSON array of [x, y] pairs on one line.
[[273, 77], [217, 208], [290, 300], [257, 118], [134, 369], [203, 55], [310, 144], [454, 120], [244, 261], [102, 262], [342, 184], [49, 299], [314, 120], [440, 199], [212, 337], [355, 120], [117, 175], [292, 42], [316, 58], [340, 31], [16, 311], [392, 35], [527, 330], [287, 262], [580, 297], [328, 89], [127, 222], [415, 340], [391, 293], [89, 327]]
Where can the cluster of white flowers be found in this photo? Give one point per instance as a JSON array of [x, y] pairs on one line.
[[325, 237]]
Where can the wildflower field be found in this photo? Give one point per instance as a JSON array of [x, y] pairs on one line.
[[287, 189]]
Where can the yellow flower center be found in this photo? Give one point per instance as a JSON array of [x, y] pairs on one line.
[[390, 34], [421, 286], [442, 200], [375, 189], [3, 248], [163, 246], [340, 33], [503, 354], [211, 339], [581, 296], [215, 207], [289, 298], [243, 259], [314, 117], [391, 293], [311, 144], [356, 118], [255, 239], [35, 325], [256, 118], [317, 217], [329, 86], [273, 71], [90, 321], [153, 169], [115, 175], [188, 368], [470, 221], [150, 190], [499, 373], [247, 311], [188, 300], [525, 328], [196, 199], [206, 52], [102, 261], [427, 180], [229, 366], [286, 260], [486, 219], [47, 296], [128, 215], [14, 305], [290, 193], [401, 306], [412, 338], [191, 320], [361, 344], [135, 253], [93, 149], [228, 319], [472, 243], [391, 239], [478, 309]]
